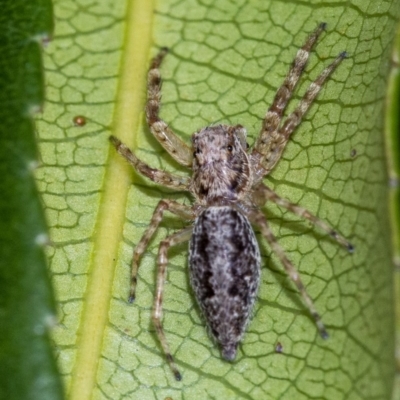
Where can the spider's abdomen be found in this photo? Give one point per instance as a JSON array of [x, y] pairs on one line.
[[224, 262]]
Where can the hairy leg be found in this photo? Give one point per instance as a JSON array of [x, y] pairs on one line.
[[294, 119], [176, 147], [169, 205], [258, 218], [172, 240], [269, 131], [263, 193], [163, 178]]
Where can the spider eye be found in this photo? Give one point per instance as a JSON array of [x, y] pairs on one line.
[[230, 148]]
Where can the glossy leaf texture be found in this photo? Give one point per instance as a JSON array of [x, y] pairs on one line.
[[27, 365], [226, 60]]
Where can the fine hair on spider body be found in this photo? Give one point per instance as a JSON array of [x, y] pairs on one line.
[[226, 183]]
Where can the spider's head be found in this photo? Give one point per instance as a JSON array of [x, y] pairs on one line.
[[220, 163], [218, 144]]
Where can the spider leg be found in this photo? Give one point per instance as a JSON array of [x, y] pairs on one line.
[[178, 237], [264, 193], [177, 148], [161, 177], [295, 118], [269, 132], [178, 209], [259, 219]]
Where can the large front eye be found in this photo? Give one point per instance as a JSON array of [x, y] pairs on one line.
[[196, 151], [230, 148]]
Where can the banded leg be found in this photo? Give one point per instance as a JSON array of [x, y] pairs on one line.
[[172, 240], [264, 193], [295, 118], [173, 207], [162, 177], [259, 219], [269, 132], [177, 148]]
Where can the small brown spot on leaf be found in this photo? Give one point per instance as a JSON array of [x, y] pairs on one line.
[[79, 120]]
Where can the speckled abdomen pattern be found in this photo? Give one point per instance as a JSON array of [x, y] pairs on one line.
[[224, 263]]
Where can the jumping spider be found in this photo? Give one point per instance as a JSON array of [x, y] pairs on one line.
[[226, 183]]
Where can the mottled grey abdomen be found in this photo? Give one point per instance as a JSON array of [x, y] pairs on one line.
[[224, 262]]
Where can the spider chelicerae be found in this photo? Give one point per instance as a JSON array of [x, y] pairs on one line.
[[226, 184]]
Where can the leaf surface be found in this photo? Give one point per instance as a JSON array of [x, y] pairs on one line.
[[226, 61]]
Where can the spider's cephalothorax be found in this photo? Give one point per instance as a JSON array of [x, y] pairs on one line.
[[221, 168], [226, 183]]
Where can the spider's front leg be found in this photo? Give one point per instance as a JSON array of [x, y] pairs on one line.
[[274, 114], [176, 147], [182, 211], [274, 137]]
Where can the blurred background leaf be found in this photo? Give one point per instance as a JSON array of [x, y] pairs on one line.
[[392, 138], [27, 366]]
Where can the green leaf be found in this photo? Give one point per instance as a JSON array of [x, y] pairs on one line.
[[27, 366], [226, 61]]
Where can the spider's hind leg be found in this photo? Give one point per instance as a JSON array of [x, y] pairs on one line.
[[258, 218], [162, 262]]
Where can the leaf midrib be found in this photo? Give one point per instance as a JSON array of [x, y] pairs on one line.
[[111, 214]]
